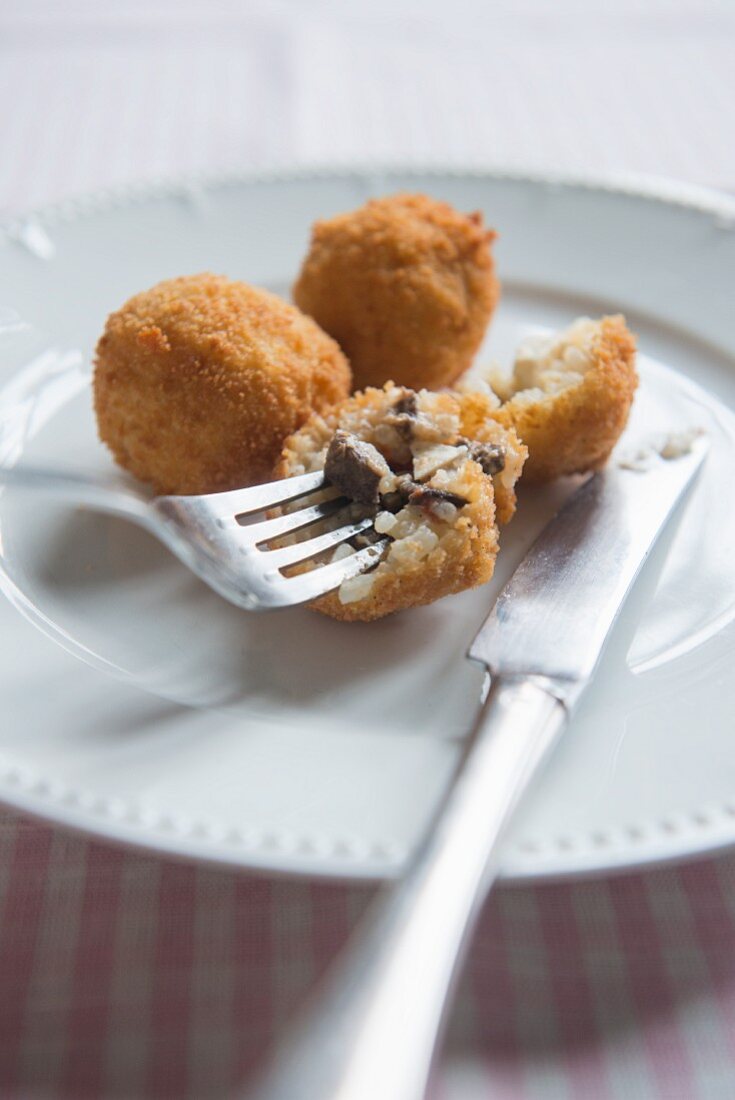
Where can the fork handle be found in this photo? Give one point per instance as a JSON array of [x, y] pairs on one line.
[[104, 495], [372, 1032]]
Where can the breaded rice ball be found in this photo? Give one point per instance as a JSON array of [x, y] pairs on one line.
[[402, 457], [569, 396], [199, 380], [477, 419], [406, 286]]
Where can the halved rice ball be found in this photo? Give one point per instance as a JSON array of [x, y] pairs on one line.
[[569, 396], [405, 458]]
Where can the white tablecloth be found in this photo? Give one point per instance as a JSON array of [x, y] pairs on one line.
[[96, 94]]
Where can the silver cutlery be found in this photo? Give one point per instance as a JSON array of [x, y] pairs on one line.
[[371, 1032], [220, 537]]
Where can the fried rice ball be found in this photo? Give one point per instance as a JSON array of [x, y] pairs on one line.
[[478, 423], [569, 396], [402, 457], [199, 380], [406, 286]]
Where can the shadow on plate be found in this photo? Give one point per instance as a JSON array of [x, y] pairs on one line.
[[92, 549], [125, 603], [119, 600]]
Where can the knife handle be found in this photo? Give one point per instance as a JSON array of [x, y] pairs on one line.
[[372, 1030]]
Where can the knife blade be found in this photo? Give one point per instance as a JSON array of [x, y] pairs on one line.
[[553, 616]]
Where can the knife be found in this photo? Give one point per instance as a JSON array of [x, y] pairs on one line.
[[371, 1031]]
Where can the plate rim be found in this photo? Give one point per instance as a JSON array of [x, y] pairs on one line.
[[659, 189], [352, 867], [645, 847]]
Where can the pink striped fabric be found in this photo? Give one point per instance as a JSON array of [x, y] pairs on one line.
[[88, 1017], [29, 860], [589, 990], [650, 986], [128, 977]]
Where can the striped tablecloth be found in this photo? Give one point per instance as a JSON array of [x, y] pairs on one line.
[[127, 976], [122, 975]]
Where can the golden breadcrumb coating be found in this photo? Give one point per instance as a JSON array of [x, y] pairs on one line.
[[199, 380], [431, 555], [406, 286], [467, 563], [479, 423], [572, 428]]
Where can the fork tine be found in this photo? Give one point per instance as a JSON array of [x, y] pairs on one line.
[[308, 586], [308, 548], [254, 533], [238, 502]]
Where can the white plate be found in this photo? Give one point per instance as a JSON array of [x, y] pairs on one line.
[[296, 744]]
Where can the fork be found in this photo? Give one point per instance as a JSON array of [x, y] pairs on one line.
[[207, 534]]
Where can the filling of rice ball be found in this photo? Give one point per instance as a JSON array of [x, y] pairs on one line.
[[405, 458], [568, 396], [547, 363]]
